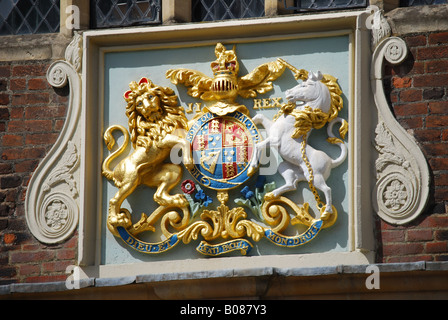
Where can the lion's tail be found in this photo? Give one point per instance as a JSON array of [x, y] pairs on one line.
[[110, 142], [343, 129]]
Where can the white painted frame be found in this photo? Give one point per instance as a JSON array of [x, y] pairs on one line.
[[361, 247]]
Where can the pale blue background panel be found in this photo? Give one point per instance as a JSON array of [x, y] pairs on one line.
[[330, 55]]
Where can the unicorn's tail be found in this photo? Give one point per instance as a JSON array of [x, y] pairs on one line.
[[339, 141]]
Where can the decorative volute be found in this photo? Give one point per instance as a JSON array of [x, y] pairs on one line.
[[52, 199], [402, 174]]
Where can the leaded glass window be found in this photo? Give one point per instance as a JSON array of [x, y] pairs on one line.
[[210, 10], [319, 5], [121, 13], [29, 16], [411, 3]]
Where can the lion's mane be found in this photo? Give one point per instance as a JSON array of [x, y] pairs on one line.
[[170, 118]]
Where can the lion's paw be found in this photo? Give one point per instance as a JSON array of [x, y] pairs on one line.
[[121, 219]]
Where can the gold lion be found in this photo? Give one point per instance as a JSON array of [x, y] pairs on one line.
[[154, 119]]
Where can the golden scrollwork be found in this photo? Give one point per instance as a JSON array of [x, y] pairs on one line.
[[223, 222], [277, 216]]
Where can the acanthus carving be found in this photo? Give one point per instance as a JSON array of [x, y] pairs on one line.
[[63, 173], [397, 181]]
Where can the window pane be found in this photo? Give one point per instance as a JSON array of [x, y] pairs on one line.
[[116, 13], [29, 16], [210, 10], [411, 3], [312, 5]]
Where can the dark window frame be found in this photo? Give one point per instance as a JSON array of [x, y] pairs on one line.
[[21, 17], [124, 13]]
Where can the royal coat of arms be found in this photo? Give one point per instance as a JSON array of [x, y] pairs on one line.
[[221, 149]]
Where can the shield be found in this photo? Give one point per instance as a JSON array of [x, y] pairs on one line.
[[222, 148]]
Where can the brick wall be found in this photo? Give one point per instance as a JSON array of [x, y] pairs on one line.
[[31, 115], [418, 92]]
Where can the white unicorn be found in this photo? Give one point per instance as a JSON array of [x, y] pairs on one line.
[[314, 96]]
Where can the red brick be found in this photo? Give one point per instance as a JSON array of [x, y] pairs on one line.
[[432, 53], [10, 195], [438, 107], [44, 112], [5, 168], [29, 269], [66, 254], [72, 242], [425, 257], [436, 247], [411, 123], [29, 70], [433, 93], [438, 38], [393, 236], [416, 41], [46, 278], [17, 84], [436, 66], [436, 149], [30, 98], [17, 112], [411, 95], [10, 181], [26, 257], [425, 135], [439, 163], [418, 68], [393, 97], [445, 135], [442, 235], [56, 266], [4, 113], [9, 238], [440, 194], [440, 221], [402, 249], [7, 272], [27, 153], [419, 235], [5, 71], [37, 84], [4, 99], [431, 80], [411, 109], [433, 121], [30, 126], [31, 247], [12, 140], [58, 125], [26, 166], [441, 179], [405, 82], [41, 138]]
